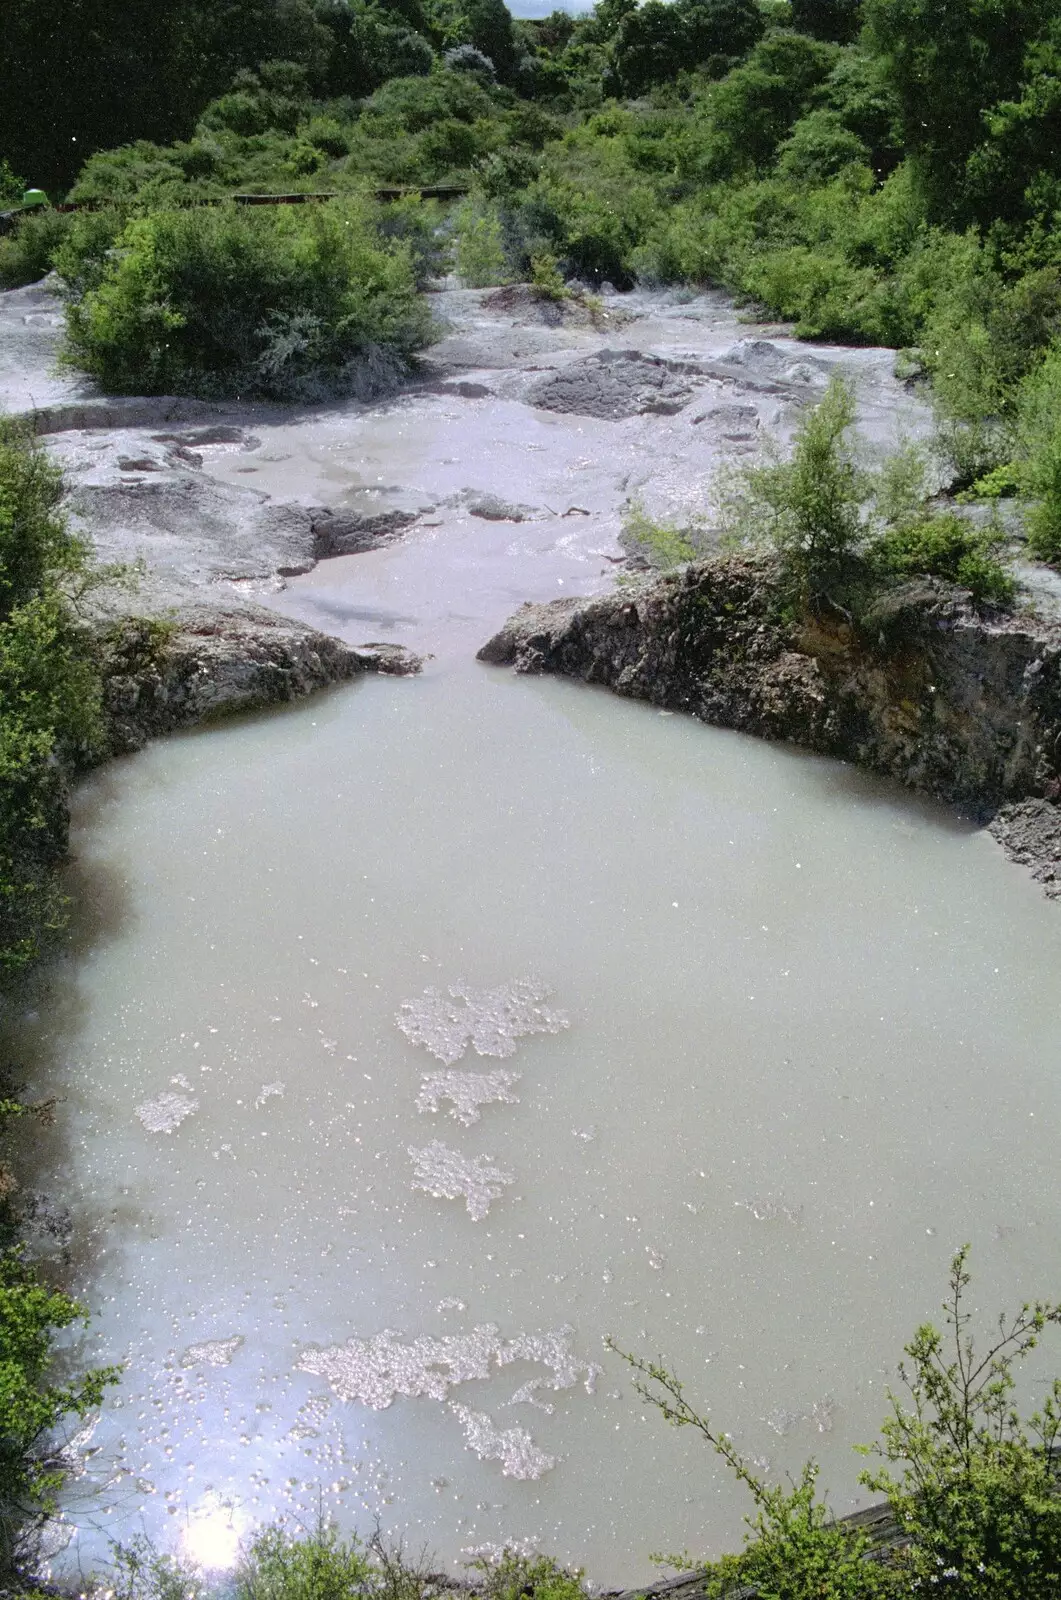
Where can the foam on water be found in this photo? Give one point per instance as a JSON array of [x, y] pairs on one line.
[[467, 1092], [448, 1175], [166, 1112], [490, 1020], [212, 1352], [514, 1448], [377, 1370]]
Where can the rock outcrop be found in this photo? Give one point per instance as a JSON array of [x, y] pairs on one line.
[[210, 662], [925, 689]]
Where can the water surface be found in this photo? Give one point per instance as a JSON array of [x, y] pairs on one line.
[[765, 1041]]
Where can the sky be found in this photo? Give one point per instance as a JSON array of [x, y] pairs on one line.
[[542, 8]]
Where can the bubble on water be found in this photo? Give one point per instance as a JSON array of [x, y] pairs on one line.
[[212, 1352], [451, 1303], [180, 1082], [771, 1208], [166, 1112], [466, 1092], [822, 1413], [514, 1448], [657, 1260], [269, 1091], [448, 1175], [311, 1417], [588, 1134], [495, 1553], [490, 1020], [377, 1370]]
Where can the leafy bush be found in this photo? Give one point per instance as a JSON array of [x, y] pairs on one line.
[[513, 1576], [752, 109], [546, 278], [49, 720], [951, 547], [49, 693], [818, 148], [655, 41], [809, 507], [466, 58], [656, 543], [976, 1489], [275, 302], [27, 252], [479, 247], [975, 1492], [1038, 456], [318, 1566], [12, 187], [31, 1404]]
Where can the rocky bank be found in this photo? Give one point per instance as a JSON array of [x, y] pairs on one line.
[[956, 703]]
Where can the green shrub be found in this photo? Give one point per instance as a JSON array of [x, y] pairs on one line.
[[49, 720], [809, 507], [794, 1548], [947, 546], [12, 187], [27, 252], [819, 147], [49, 694], [1038, 456], [545, 276], [479, 252], [513, 1576], [318, 1566], [276, 302], [975, 1488], [662, 546], [974, 1491], [32, 1404]]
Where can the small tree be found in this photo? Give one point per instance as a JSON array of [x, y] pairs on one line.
[[809, 507]]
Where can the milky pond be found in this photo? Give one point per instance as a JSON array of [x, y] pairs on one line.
[[413, 1040]]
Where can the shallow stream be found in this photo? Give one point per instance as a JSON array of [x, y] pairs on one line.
[[758, 1041]]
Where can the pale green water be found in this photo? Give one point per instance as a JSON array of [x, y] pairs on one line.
[[791, 992]]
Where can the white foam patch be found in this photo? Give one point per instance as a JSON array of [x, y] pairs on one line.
[[377, 1370], [166, 1112], [448, 1175], [514, 1448], [822, 1414], [269, 1091], [212, 1352], [447, 1021], [467, 1092], [771, 1208]]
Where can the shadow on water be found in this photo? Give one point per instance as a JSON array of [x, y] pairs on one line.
[[43, 1019], [699, 760]]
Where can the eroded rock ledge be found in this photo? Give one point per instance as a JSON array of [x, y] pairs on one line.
[[209, 662], [926, 689]]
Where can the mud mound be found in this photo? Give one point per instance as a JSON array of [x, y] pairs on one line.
[[1030, 833], [617, 384]]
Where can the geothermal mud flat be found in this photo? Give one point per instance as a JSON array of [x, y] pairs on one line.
[[414, 1040]]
